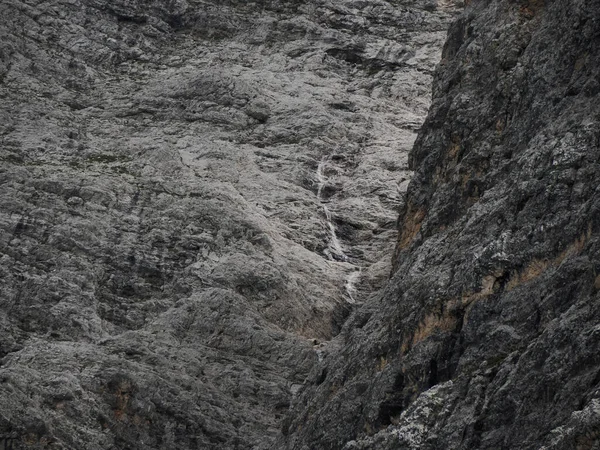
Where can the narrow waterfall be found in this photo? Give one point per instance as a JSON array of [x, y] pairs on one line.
[[335, 251], [351, 281]]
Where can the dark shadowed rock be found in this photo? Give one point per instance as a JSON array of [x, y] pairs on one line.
[[487, 334]]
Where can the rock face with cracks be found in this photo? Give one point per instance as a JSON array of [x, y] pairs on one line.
[[198, 217], [194, 195], [487, 335]]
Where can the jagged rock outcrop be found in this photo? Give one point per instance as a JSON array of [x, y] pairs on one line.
[[487, 335], [171, 175]]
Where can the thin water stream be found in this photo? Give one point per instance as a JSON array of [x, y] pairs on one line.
[[335, 250]]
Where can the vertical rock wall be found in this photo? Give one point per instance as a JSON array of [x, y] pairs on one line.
[[487, 334]]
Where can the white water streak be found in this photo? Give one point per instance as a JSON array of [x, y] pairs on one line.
[[351, 284], [335, 244], [335, 250]]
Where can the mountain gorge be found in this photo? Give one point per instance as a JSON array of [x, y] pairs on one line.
[[486, 335], [250, 225], [195, 196]]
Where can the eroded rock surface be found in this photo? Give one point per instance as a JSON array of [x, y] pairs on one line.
[[166, 250], [487, 336]]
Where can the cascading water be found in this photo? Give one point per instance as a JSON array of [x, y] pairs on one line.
[[351, 281], [335, 251]]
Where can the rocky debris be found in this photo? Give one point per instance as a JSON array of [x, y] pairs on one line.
[[487, 334], [163, 249]]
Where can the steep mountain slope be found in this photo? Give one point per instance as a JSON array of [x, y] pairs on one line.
[[193, 195], [488, 334]]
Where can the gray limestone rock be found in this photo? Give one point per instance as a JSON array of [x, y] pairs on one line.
[[194, 197], [199, 217], [486, 335]]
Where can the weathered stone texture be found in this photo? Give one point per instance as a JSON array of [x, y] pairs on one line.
[[487, 335], [165, 279]]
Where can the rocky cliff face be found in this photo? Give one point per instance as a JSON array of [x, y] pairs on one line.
[[198, 196], [194, 195], [487, 335]]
